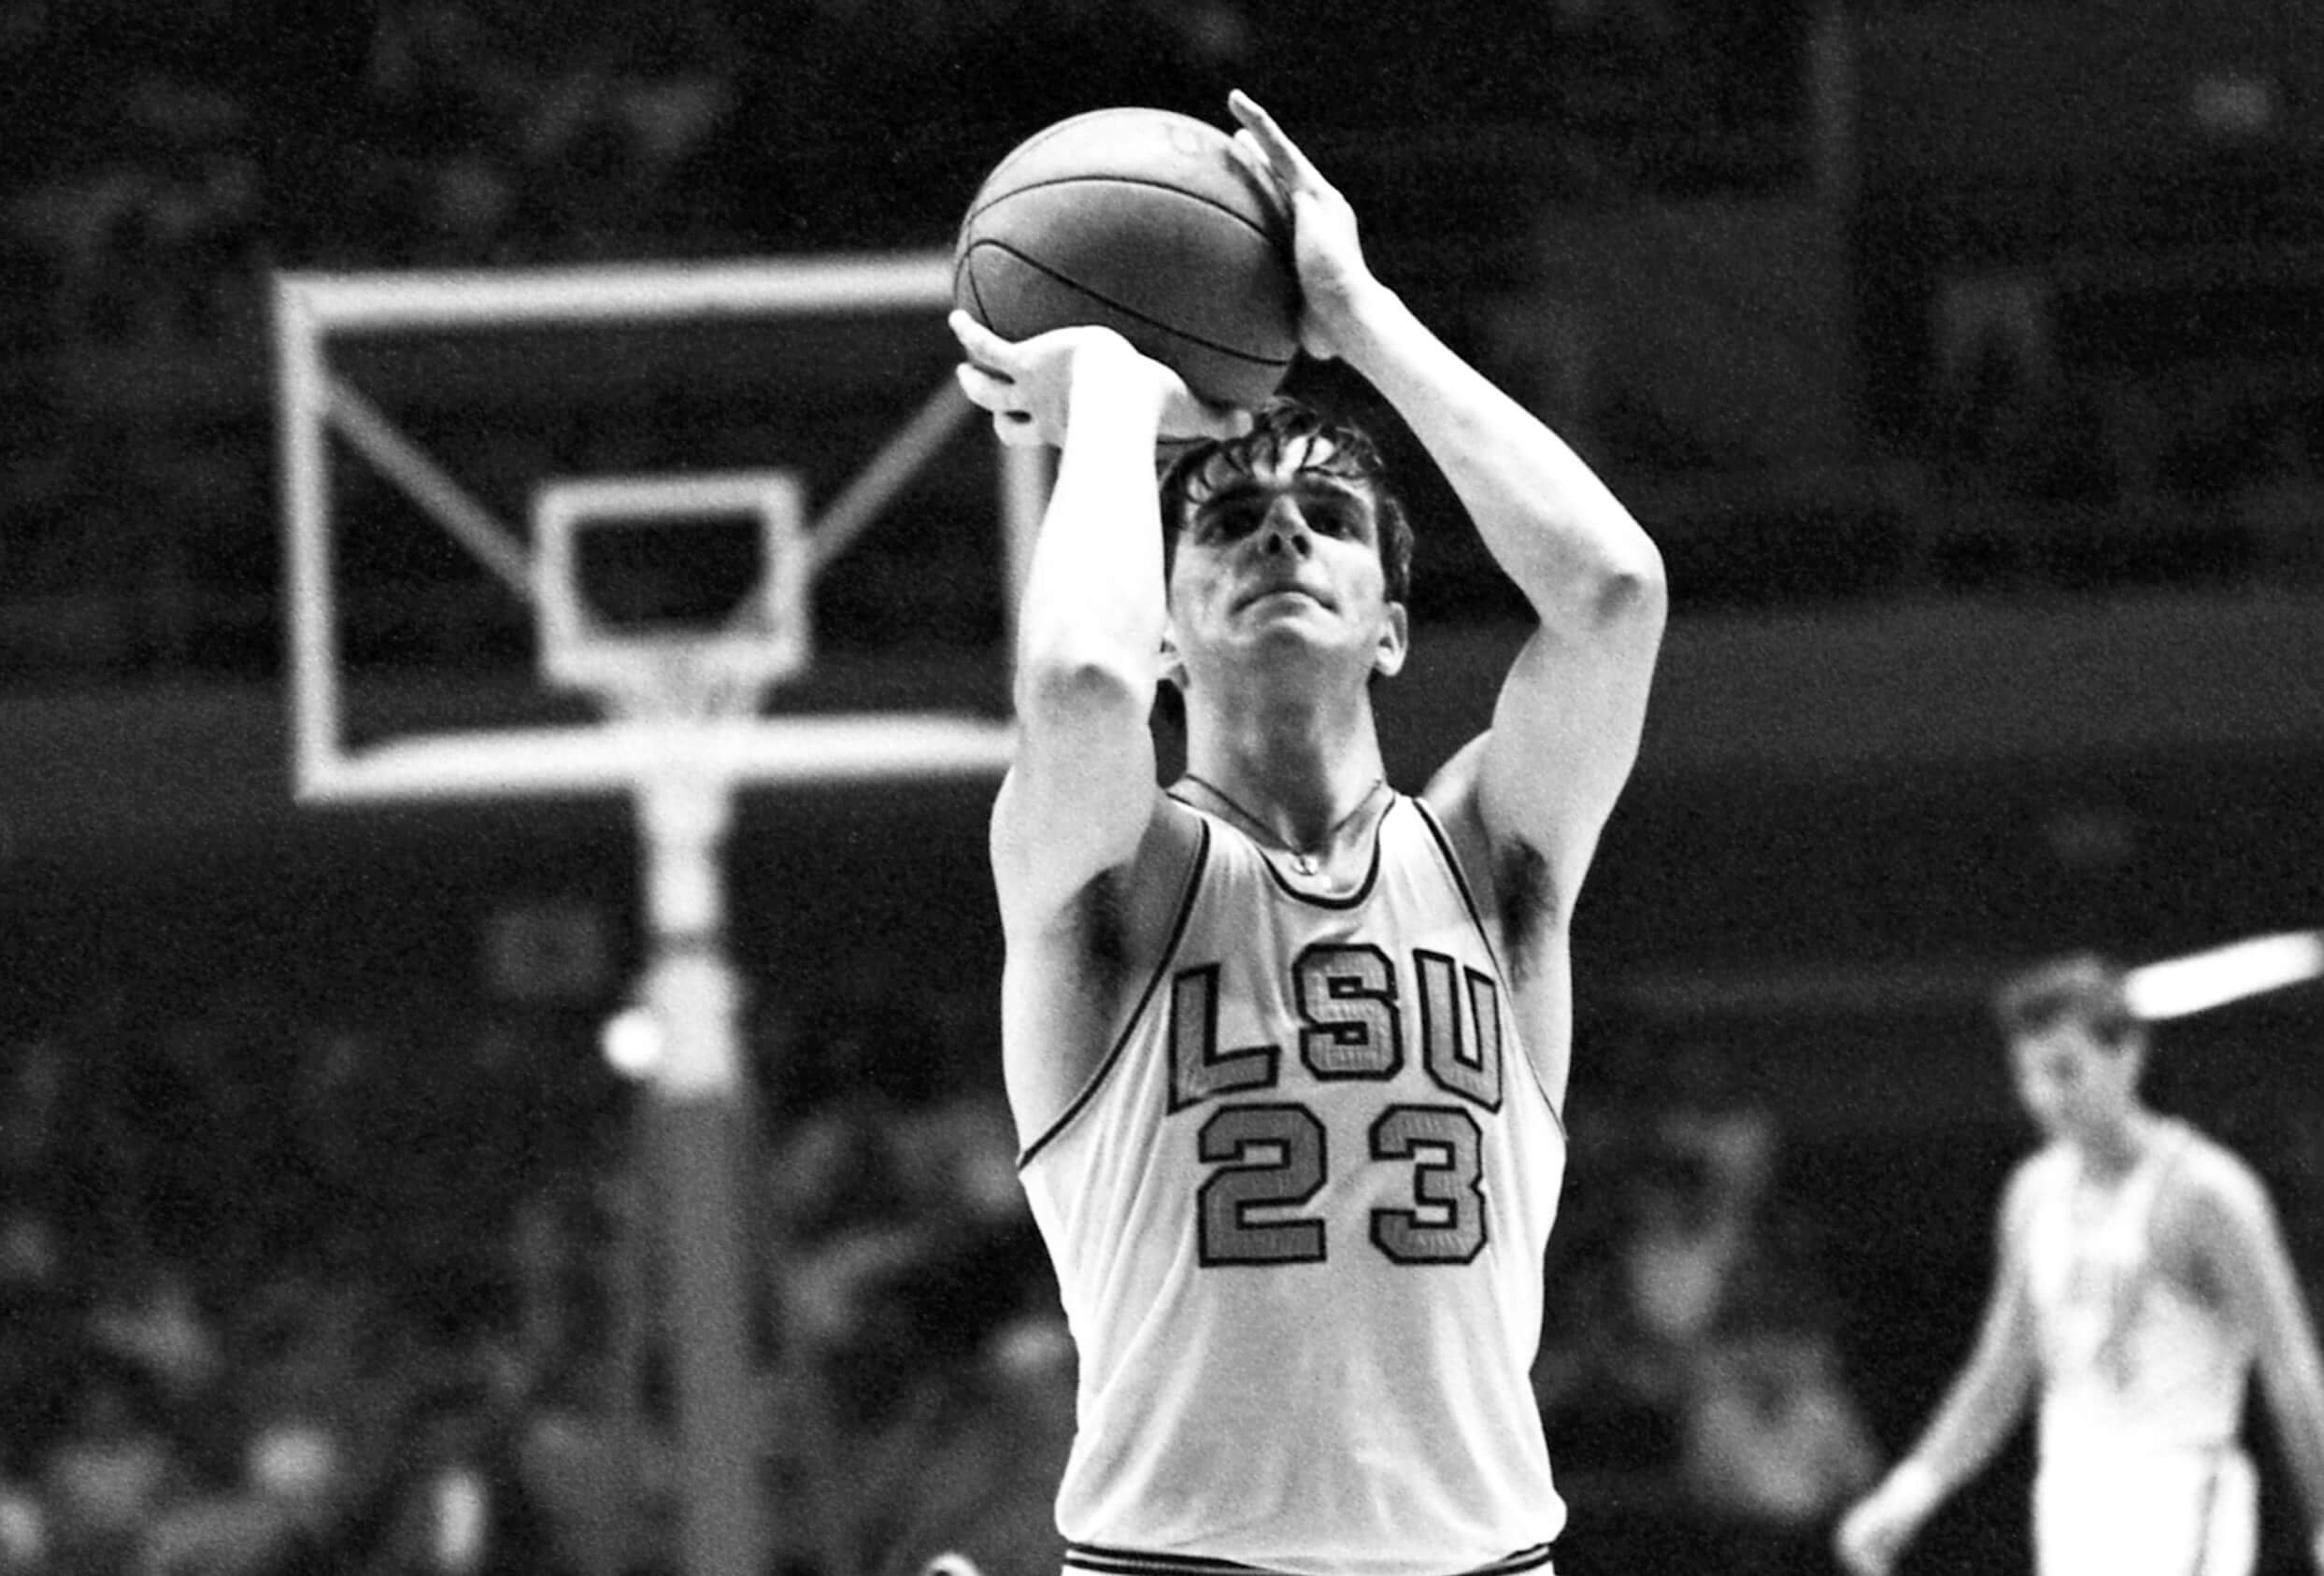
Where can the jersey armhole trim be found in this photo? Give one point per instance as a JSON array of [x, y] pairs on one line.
[[1443, 839], [1191, 890], [1476, 918]]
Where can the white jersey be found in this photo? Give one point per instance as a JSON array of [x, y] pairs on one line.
[[2131, 1358], [1298, 1218], [2142, 1384]]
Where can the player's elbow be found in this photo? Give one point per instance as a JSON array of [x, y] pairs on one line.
[[1073, 691], [1632, 587], [1603, 582], [1622, 597]]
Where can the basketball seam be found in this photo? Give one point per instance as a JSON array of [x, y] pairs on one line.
[[1126, 310], [1211, 203], [962, 273]]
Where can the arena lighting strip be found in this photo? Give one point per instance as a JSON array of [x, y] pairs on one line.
[[2175, 988]]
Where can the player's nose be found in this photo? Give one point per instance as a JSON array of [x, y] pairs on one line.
[[1285, 528]]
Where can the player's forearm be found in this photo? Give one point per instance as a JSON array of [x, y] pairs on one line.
[[1092, 607], [2295, 1390], [2245, 1250], [1551, 524], [1972, 1423]]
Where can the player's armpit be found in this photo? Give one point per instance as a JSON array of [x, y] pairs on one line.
[[1566, 734]]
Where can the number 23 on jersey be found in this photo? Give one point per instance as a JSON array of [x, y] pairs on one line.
[[1269, 1159]]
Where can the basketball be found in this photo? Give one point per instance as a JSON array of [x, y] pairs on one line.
[[1144, 221]]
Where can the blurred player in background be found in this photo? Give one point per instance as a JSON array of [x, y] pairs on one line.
[[2141, 1277], [1287, 1048]]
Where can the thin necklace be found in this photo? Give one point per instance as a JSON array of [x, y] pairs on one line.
[[1304, 861]]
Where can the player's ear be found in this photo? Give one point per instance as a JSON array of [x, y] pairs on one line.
[[1395, 641]]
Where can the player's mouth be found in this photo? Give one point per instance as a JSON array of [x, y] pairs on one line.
[[1281, 589]]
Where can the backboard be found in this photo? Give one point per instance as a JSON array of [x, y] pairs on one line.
[[346, 403]]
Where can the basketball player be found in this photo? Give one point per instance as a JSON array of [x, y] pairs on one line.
[[2141, 1278], [1286, 1045]]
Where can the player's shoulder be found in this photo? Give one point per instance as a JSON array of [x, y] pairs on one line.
[[1167, 854], [2033, 1178], [2213, 1179], [2039, 1169], [1105, 910]]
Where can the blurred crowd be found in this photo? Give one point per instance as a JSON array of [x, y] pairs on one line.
[[1693, 1375], [288, 1295], [2088, 461], [380, 1294], [187, 149], [167, 154]]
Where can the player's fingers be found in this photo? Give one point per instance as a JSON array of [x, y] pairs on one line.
[[979, 344], [985, 387], [1279, 150], [1267, 166], [1230, 421], [1014, 428], [1197, 421], [1254, 159]]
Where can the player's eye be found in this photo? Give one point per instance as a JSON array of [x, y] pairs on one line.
[[1228, 518]]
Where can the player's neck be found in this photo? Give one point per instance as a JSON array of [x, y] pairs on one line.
[[1298, 786], [1304, 762], [2110, 1153]]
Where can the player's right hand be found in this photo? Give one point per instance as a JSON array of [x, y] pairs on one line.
[[1028, 384]]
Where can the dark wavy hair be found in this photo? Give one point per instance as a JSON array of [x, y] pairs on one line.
[[1334, 448]]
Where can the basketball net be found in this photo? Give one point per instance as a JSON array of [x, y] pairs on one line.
[[681, 687]]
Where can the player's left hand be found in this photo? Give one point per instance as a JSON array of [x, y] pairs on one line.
[[1333, 275]]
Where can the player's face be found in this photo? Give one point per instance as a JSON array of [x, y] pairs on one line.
[[2072, 1081], [1284, 557]]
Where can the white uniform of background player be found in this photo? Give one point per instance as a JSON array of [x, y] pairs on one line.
[[2141, 1279]]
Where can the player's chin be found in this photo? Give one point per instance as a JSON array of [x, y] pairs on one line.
[[1295, 646], [1301, 628]]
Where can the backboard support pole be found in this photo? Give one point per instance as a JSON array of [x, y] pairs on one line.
[[700, 1127]]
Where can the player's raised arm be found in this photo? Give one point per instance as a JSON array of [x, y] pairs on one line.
[[1090, 621], [1081, 788], [1566, 727]]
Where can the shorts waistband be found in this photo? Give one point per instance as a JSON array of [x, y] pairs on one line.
[[1099, 1559]]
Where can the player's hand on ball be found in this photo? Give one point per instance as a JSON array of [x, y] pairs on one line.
[[1332, 272], [1028, 384]]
